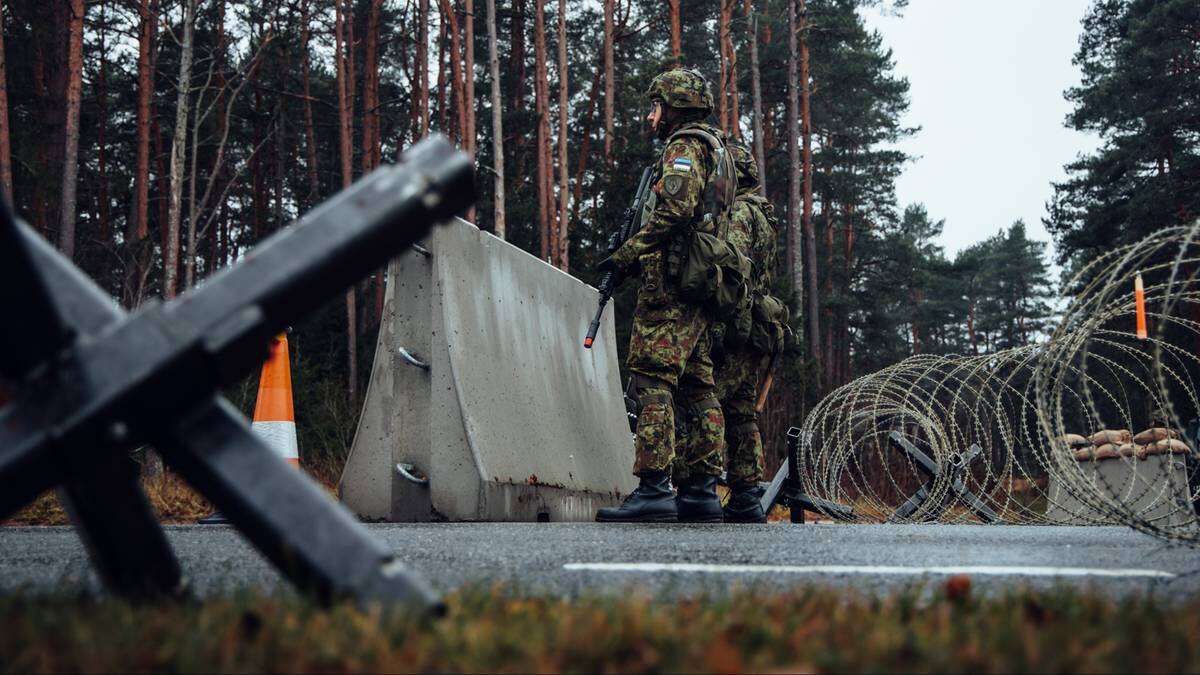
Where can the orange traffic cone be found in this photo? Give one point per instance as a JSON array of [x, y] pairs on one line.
[[274, 419]]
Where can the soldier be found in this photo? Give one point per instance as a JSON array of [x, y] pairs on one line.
[[669, 357], [741, 360]]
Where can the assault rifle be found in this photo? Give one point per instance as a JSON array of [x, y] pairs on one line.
[[611, 280]]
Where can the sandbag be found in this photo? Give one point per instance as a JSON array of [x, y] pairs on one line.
[[1106, 451], [1163, 447], [1156, 434], [1073, 441], [1106, 436]]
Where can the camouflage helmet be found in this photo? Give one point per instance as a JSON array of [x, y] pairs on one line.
[[682, 88], [747, 168]]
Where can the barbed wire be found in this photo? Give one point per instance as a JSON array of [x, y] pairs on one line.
[[1093, 425]]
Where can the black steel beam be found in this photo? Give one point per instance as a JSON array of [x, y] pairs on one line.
[[101, 382]]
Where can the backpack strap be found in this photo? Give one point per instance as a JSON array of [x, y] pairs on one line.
[[720, 155]]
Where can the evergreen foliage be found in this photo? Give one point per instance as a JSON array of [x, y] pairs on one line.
[[1141, 93], [886, 290]]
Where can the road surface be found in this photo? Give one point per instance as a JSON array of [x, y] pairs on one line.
[[579, 558]]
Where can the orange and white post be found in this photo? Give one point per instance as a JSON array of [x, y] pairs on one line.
[[274, 419], [1139, 305]]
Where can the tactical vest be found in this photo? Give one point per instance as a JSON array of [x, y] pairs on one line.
[[710, 270]]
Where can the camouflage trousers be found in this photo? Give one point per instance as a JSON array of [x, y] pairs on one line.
[[737, 379], [670, 361]]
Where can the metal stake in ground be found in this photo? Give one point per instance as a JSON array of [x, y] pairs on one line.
[[787, 488], [93, 383]]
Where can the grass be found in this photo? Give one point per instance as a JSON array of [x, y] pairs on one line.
[[173, 500], [495, 630]]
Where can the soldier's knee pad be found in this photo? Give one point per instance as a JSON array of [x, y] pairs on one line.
[[651, 390]]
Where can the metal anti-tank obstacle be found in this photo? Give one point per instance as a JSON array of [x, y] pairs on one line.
[[92, 383], [956, 466]]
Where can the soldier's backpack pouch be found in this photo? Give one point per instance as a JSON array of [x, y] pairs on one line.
[[739, 326], [714, 274], [769, 327]]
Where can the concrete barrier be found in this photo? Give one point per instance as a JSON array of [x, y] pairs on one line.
[[482, 388], [1154, 489]]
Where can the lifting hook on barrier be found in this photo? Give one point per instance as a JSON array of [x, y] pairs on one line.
[[410, 473], [411, 359]]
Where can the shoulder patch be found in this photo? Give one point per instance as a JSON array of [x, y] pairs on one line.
[[682, 164], [673, 183]]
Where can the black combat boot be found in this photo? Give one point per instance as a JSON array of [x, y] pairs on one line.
[[651, 502], [745, 504], [697, 501]]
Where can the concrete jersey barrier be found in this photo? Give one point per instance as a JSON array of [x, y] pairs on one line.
[[507, 416]]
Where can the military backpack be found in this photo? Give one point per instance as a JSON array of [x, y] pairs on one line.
[[711, 271], [762, 324]]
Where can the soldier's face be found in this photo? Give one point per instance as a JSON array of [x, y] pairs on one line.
[[655, 116]]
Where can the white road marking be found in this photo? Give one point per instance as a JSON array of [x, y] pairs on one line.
[[983, 570]]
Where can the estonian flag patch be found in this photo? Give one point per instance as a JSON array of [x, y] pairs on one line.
[[682, 164]]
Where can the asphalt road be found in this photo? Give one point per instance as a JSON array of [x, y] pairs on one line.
[[570, 559]]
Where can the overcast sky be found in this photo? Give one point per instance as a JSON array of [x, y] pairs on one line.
[[987, 84]]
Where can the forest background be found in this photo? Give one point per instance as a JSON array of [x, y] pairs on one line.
[[156, 141]]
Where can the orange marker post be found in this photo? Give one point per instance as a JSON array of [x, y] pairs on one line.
[[274, 419], [1139, 303]]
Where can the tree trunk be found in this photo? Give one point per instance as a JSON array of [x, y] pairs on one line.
[[5, 137], [541, 104], [516, 59], [469, 89], [760, 154], [162, 184], [70, 168], [585, 148], [310, 136], [456, 77], [345, 89], [443, 109], [794, 258], [102, 205], [140, 223], [179, 152], [735, 113], [609, 84], [422, 68], [371, 152], [564, 194], [676, 32], [723, 66], [810, 238], [727, 103], [497, 122]]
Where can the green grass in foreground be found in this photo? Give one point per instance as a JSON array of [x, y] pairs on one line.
[[498, 630]]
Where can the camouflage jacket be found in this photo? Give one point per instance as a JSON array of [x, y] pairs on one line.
[[679, 182], [751, 231]]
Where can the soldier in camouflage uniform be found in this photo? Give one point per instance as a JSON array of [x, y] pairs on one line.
[[669, 348], [739, 364]]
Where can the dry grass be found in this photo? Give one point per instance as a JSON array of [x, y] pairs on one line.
[[170, 496], [802, 630], [172, 499]]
